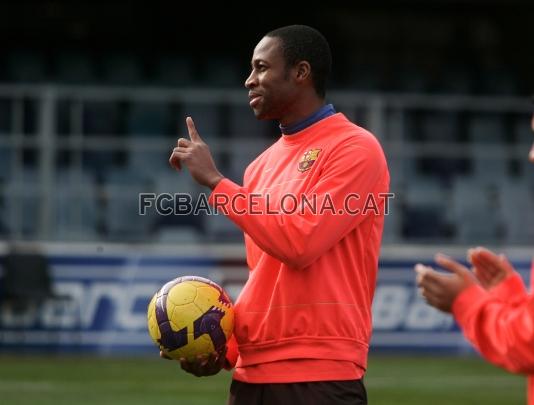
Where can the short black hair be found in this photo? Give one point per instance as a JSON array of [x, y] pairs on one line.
[[304, 43]]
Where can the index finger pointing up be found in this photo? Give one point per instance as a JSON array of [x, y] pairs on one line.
[[193, 133]]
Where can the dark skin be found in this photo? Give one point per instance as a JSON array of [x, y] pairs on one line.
[[441, 289], [195, 154], [490, 269], [279, 92], [202, 366], [276, 92]]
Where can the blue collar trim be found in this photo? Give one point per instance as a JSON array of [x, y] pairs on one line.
[[323, 112]]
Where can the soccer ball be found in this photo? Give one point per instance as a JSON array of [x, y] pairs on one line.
[[190, 316]]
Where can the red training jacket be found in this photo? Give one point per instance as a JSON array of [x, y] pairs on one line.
[[305, 311], [500, 324]]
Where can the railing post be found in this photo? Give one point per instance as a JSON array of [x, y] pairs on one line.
[[17, 145], [47, 158], [376, 117]]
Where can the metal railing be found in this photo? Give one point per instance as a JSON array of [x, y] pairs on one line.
[[384, 114]]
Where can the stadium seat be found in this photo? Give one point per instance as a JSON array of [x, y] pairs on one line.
[[527, 172], [222, 72], [75, 67], [490, 163], [347, 110], [474, 210], [401, 169], [497, 82], [366, 78], [176, 182], [6, 155], [221, 229], [517, 209], [180, 224], [174, 71], [411, 80], [121, 194], [486, 128], [243, 123], [4, 229], [76, 205], [100, 117], [22, 196], [25, 66], [207, 117], [524, 137], [522, 130], [424, 201], [122, 69], [407, 125], [64, 121], [393, 221], [147, 119], [99, 162], [441, 128], [455, 80], [488, 147], [5, 117], [400, 130], [150, 161], [239, 160]]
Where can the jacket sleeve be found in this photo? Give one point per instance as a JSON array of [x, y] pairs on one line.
[[511, 290], [503, 333], [299, 238], [232, 353]]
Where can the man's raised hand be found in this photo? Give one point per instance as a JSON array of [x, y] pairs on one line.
[[194, 153]]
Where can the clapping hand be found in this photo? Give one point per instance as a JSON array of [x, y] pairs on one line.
[[489, 268]]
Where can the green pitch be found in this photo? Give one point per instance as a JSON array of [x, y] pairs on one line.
[[390, 380]]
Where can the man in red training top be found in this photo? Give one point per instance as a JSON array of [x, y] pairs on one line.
[[490, 304], [303, 319]]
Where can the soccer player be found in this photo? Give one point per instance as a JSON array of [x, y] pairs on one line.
[[490, 304], [303, 319]]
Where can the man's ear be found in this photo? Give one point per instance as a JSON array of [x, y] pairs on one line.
[[303, 71]]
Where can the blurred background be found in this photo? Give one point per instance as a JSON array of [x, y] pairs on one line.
[[93, 96]]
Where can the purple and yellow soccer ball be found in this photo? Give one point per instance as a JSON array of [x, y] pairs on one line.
[[190, 316]]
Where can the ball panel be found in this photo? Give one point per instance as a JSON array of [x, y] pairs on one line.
[[207, 297], [199, 347], [227, 323], [183, 315], [153, 327], [182, 293]]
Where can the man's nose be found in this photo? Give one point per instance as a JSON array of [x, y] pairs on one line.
[[251, 81]]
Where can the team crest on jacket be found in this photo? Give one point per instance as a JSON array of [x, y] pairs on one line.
[[308, 159]]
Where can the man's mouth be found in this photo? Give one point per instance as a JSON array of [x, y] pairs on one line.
[[254, 99]]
